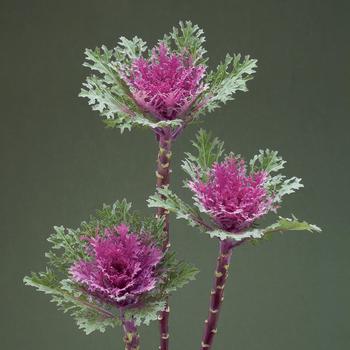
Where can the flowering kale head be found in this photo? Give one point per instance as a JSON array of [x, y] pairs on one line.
[[122, 266], [166, 84], [234, 194], [112, 264], [233, 198], [164, 88]]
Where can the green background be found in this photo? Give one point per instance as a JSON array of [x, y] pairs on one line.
[[58, 163]]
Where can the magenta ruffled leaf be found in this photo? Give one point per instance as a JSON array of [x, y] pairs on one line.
[[234, 199], [122, 266], [166, 84]]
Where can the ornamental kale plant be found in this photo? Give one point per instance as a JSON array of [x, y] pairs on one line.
[[117, 268], [111, 270], [232, 195]]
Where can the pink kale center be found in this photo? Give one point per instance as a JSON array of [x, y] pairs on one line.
[[166, 85], [121, 268], [233, 198]]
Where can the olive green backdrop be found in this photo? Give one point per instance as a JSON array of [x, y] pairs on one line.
[[58, 163]]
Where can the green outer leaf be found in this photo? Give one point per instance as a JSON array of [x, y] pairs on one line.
[[99, 60], [165, 198], [266, 160], [146, 314], [288, 186], [230, 76], [291, 224], [140, 120], [282, 225], [180, 276], [278, 185], [128, 50], [222, 235], [209, 151], [188, 38], [88, 315]]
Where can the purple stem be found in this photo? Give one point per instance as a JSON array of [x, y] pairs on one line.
[[163, 179], [131, 336], [217, 293]]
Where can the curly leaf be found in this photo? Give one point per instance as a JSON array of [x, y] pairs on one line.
[[266, 160], [99, 60], [291, 224], [230, 76], [181, 274], [128, 50], [147, 313], [209, 151], [270, 162], [282, 225], [165, 198], [189, 39], [89, 315]]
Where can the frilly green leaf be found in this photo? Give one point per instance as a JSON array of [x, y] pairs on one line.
[[282, 225], [165, 198], [278, 185], [291, 224], [147, 314], [230, 76], [267, 160], [188, 38], [209, 150], [89, 315]]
